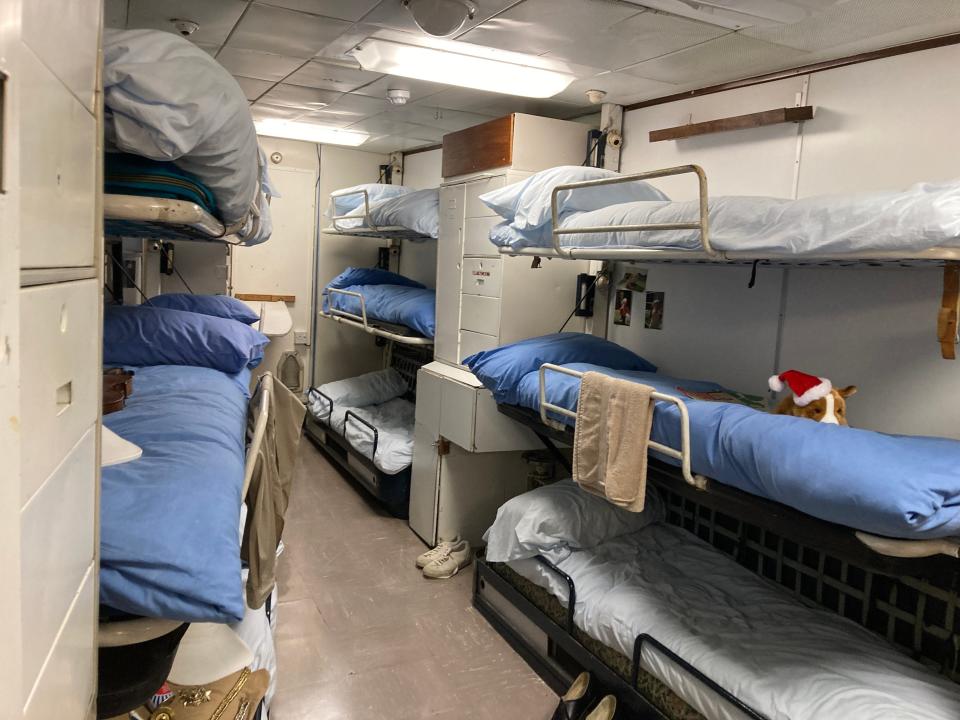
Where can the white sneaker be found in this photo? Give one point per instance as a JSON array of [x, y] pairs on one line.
[[430, 555], [448, 564]]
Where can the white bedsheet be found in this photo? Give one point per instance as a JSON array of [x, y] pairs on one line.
[[925, 216], [417, 211], [168, 100], [784, 659]]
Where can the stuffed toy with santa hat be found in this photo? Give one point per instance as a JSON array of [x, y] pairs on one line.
[[811, 397]]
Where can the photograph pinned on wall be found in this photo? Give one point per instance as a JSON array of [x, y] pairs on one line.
[[636, 281], [624, 307], [653, 318]]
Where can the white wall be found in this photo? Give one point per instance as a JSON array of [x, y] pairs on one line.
[[885, 124], [341, 351], [419, 260]]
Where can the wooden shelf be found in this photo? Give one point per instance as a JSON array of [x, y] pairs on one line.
[[739, 122]]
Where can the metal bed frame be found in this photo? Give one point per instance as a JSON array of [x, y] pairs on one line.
[[706, 253], [163, 218], [369, 228], [362, 321]]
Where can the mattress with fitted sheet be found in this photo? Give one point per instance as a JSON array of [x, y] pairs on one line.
[[782, 658], [925, 216], [895, 485], [169, 545], [417, 211]]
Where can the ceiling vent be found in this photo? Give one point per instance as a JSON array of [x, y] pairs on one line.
[[398, 96], [440, 18]]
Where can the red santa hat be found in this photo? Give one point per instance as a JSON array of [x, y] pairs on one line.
[[805, 388]]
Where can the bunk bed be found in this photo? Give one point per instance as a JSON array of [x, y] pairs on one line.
[[390, 212], [382, 303], [366, 425], [182, 159], [919, 225], [688, 612]]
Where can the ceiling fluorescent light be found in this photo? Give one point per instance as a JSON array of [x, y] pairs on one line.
[[501, 72], [310, 132]]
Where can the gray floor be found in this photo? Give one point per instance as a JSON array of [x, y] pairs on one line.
[[362, 635]]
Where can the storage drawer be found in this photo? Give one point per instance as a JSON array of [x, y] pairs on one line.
[[480, 314], [60, 355], [64, 37], [65, 688], [56, 549], [58, 179], [476, 188], [481, 276], [472, 342], [476, 236]]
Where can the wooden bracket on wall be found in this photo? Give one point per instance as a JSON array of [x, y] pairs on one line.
[[739, 122], [948, 318]]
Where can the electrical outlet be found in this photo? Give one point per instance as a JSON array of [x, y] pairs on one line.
[[300, 337]]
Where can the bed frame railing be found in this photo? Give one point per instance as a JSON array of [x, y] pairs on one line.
[[314, 392], [260, 405], [362, 322], [682, 453], [351, 415], [368, 221]]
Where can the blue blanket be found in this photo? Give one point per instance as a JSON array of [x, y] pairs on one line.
[[411, 306], [169, 522], [126, 174], [900, 486]]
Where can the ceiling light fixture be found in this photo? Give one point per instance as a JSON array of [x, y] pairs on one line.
[[470, 66], [310, 132], [441, 18]]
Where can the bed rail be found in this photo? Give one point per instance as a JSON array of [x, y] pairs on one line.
[[647, 639], [571, 590], [376, 434], [682, 453], [362, 322], [369, 228], [323, 396], [168, 219], [367, 220], [260, 405]]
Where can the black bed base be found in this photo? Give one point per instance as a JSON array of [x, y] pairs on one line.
[[392, 490]]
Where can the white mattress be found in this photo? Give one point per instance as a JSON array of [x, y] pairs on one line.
[[923, 217], [783, 659], [417, 211]]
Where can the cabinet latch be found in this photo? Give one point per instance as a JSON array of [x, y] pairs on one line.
[[443, 446]]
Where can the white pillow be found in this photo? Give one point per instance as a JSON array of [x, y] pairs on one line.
[[526, 204], [347, 199], [559, 517], [373, 388]]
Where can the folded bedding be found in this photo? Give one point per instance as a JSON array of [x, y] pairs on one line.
[[417, 211], [166, 99], [126, 174], [782, 658], [387, 297], [925, 216], [169, 521], [345, 200], [376, 398]]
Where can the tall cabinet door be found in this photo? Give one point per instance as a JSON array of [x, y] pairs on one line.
[[449, 264], [425, 473]]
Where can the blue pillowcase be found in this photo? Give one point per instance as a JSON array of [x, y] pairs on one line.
[[140, 335], [222, 306], [370, 276], [501, 369]]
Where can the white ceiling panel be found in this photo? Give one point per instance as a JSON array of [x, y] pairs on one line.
[[622, 88], [495, 105], [419, 89], [327, 76], [210, 50], [115, 13], [328, 118], [446, 120], [263, 110], [253, 88], [285, 32], [391, 14], [385, 124], [392, 143], [215, 17], [351, 10], [358, 105], [729, 57], [300, 97], [256, 64]]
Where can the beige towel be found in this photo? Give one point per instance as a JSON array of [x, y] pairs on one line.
[[614, 418]]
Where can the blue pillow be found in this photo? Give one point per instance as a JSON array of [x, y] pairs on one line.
[[140, 335], [222, 306], [502, 368], [348, 199], [370, 276]]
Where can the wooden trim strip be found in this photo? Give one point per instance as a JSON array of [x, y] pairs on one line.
[[425, 148], [266, 297], [917, 46], [738, 122]]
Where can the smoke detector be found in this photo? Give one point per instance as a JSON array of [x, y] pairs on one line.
[[398, 96], [185, 27], [440, 18], [596, 96]]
